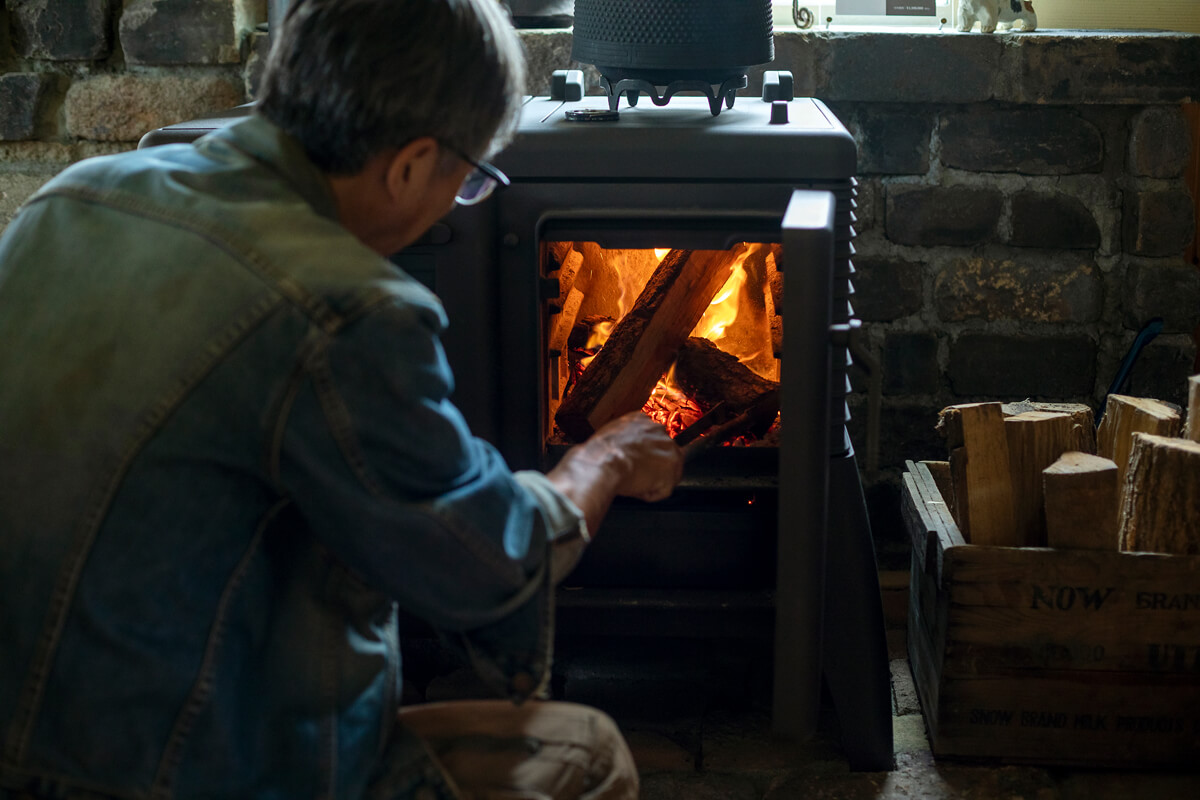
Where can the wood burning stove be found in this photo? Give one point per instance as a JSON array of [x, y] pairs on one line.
[[762, 537], [749, 522]]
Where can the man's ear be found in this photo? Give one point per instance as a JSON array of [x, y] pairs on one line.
[[410, 169]]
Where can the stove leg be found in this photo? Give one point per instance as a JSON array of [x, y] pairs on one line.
[[855, 653]]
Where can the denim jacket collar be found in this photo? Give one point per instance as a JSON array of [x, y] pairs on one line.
[[262, 140]]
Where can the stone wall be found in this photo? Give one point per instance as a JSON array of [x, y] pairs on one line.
[[1023, 212], [1022, 206], [87, 77]]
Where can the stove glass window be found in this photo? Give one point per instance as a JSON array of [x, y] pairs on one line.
[[691, 337]]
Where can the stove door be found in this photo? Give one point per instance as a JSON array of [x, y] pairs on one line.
[[809, 228]]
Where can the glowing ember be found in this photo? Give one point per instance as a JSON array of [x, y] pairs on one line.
[[670, 406]]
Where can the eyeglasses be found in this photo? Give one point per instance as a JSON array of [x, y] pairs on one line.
[[480, 183]]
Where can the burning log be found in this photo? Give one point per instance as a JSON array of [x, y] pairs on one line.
[[570, 300], [774, 300], [758, 416], [712, 376], [568, 269], [644, 343]]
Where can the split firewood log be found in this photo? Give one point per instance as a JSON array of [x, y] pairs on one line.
[[645, 341], [983, 495], [1081, 502], [1036, 439], [711, 376], [1160, 503], [1081, 415], [1123, 417]]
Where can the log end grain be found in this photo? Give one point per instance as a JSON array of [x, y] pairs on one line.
[[1125, 416], [1082, 496]]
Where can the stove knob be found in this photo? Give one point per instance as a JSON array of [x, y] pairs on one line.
[[779, 113], [566, 85], [778, 85]]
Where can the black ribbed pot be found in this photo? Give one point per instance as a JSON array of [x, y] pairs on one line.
[[666, 40]]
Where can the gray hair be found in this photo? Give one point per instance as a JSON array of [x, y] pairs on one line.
[[351, 78]]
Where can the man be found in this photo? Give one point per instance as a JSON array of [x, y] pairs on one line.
[[228, 452]]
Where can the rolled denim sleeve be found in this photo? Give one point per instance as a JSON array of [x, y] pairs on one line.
[[389, 478]]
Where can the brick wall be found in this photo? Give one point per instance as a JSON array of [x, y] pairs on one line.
[[1022, 210]]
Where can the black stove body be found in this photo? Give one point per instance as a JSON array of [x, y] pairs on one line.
[[758, 539]]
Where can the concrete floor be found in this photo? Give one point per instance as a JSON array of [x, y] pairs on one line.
[[734, 757], [728, 752]]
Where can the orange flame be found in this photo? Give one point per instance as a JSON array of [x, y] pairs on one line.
[[599, 334], [668, 404], [723, 310]]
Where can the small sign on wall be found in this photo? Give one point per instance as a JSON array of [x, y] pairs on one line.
[[891, 8]]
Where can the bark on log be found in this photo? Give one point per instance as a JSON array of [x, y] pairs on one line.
[[645, 341], [774, 302], [979, 468], [1193, 417], [1081, 414], [1160, 506], [1035, 441], [711, 376], [1123, 417], [1082, 496]]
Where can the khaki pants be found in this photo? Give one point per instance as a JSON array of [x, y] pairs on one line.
[[493, 750]]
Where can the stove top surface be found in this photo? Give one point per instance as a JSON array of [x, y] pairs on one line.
[[748, 114], [680, 141]]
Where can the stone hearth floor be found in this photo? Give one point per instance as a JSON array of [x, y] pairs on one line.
[[734, 757]]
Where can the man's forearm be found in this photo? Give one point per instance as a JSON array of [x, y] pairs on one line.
[[589, 476]]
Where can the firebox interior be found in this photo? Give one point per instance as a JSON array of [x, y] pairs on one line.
[[715, 347]]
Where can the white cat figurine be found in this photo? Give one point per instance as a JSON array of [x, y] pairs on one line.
[[990, 12]]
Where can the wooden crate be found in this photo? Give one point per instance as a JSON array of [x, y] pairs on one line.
[[1045, 656]]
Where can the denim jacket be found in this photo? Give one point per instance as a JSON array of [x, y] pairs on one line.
[[227, 454]]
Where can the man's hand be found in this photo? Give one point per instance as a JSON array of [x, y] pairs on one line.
[[654, 463], [632, 456]]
